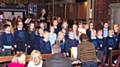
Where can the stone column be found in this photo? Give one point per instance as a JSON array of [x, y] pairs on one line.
[[115, 13]]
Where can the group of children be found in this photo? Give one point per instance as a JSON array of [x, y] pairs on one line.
[[42, 38]]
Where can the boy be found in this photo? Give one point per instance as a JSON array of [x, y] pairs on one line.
[[100, 45], [45, 46], [110, 43], [7, 40], [94, 38], [70, 42]]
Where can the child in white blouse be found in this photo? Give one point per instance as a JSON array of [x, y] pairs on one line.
[[36, 59]]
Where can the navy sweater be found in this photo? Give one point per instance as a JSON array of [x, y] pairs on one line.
[[110, 42], [38, 40], [57, 30], [69, 43], [31, 39], [21, 39], [45, 47], [95, 42], [7, 39], [21, 36], [100, 42]]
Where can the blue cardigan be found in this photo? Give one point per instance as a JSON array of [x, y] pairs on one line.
[[69, 43]]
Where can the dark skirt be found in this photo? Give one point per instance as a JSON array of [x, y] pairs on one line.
[[20, 46]]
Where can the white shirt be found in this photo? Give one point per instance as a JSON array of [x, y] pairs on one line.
[[32, 64], [82, 30]]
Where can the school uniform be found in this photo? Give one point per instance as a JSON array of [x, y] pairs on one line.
[[52, 38], [38, 40], [62, 46], [66, 36], [69, 43], [45, 46], [21, 40], [57, 29], [105, 32], [94, 41], [117, 37], [110, 42], [88, 32], [7, 42], [100, 48], [31, 41]]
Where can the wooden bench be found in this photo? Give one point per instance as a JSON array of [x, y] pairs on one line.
[[9, 58], [112, 54]]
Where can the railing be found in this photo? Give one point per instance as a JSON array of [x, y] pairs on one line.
[[9, 58], [45, 56]]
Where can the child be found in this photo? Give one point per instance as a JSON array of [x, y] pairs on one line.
[[52, 36], [110, 43], [7, 40], [45, 46], [31, 38], [94, 38], [43, 26], [100, 45], [18, 60], [55, 25], [61, 41], [38, 39], [105, 30], [70, 42], [35, 59], [65, 25], [88, 31], [116, 31], [81, 29], [65, 32], [20, 38], [75, 31]]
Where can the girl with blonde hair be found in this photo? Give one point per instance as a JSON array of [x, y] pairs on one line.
[[18, 60], [36, 59]]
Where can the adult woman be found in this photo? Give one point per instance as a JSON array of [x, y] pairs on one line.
[[86, 52]]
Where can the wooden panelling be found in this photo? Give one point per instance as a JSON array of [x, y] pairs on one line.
[[76, 11], [102, 10]]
